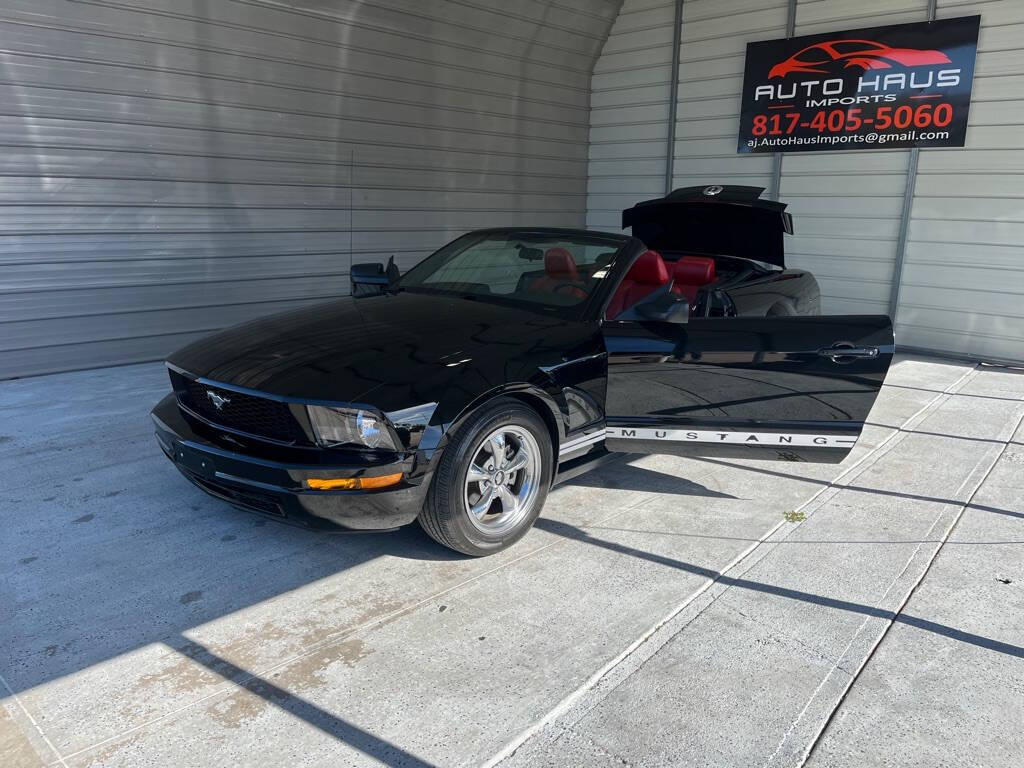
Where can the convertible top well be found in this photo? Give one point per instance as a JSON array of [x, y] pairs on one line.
[[714, 220]]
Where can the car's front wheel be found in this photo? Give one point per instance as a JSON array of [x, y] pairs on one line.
[[491, 481]]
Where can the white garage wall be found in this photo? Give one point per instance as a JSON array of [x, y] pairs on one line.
[[712, 47], [173, 166], [963, 282], [847, 206], [630, 101], [963, 286], [629, 112]]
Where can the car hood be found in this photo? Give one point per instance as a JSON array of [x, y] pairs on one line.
[[393, 351], [714, 220]]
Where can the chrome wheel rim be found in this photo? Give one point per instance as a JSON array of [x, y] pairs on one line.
[[502, 480]]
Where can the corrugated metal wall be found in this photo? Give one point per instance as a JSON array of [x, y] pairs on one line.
[[173, 166], [629, 112], [963, 283], [847, 206], [630, 102]]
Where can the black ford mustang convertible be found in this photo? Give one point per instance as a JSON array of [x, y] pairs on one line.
[[511, 359]]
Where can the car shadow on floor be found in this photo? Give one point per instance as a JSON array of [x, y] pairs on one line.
[[581, 535], [866, 489], [629, 477]]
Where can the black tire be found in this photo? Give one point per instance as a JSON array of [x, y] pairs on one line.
[[445, 516]]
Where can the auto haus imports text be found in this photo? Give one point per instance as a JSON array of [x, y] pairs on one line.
[[929, 111], [900, 85], [871, 89], [880, 108]]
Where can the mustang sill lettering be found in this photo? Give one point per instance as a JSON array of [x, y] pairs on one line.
[[736, 438]]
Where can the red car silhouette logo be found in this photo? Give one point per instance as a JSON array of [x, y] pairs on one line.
[[821, 58]]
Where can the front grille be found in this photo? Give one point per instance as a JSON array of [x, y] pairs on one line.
[[266, 503], [253, 415]]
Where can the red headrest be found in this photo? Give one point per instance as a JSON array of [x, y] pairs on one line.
[[558, 262], [694, 270], [648, 269]]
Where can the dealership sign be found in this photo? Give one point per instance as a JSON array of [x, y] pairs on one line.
[[905, 85]]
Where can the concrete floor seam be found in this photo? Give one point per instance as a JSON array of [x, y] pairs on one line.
[[838, 665], [602, 686], [573, 699], [567, 704], [897, 435], [889, 623]]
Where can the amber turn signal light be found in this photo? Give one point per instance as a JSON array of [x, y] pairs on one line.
[[380, 481], [352, 483]]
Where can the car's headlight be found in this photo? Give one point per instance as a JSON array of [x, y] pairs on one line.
[[338, 427]]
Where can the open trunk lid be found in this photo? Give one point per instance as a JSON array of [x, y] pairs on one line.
[[713, 220]]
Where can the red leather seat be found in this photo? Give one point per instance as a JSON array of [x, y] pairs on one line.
[[647, 274], [560, 272], [690, 273]]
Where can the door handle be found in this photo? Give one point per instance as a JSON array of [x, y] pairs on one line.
[[846, 352]]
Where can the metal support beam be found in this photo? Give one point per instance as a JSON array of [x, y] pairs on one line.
[[908, 204], [773, 192], [901, 238], [673, 97]]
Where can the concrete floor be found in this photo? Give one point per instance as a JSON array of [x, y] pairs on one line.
[[662, 612]]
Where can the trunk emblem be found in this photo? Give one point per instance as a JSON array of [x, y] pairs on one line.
[[218, 401], [713, 190]]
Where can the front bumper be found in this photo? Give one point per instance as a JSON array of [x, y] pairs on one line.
[[276, 489]]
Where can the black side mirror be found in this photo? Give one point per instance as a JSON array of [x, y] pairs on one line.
[[368, 280], [391, 270]]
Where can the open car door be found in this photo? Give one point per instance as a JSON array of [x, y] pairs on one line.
[[794, 388], [786, 388]]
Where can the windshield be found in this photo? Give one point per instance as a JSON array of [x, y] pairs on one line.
[[554, 272]]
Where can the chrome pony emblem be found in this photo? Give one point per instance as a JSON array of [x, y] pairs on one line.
[[713, 190], [218, 401]]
